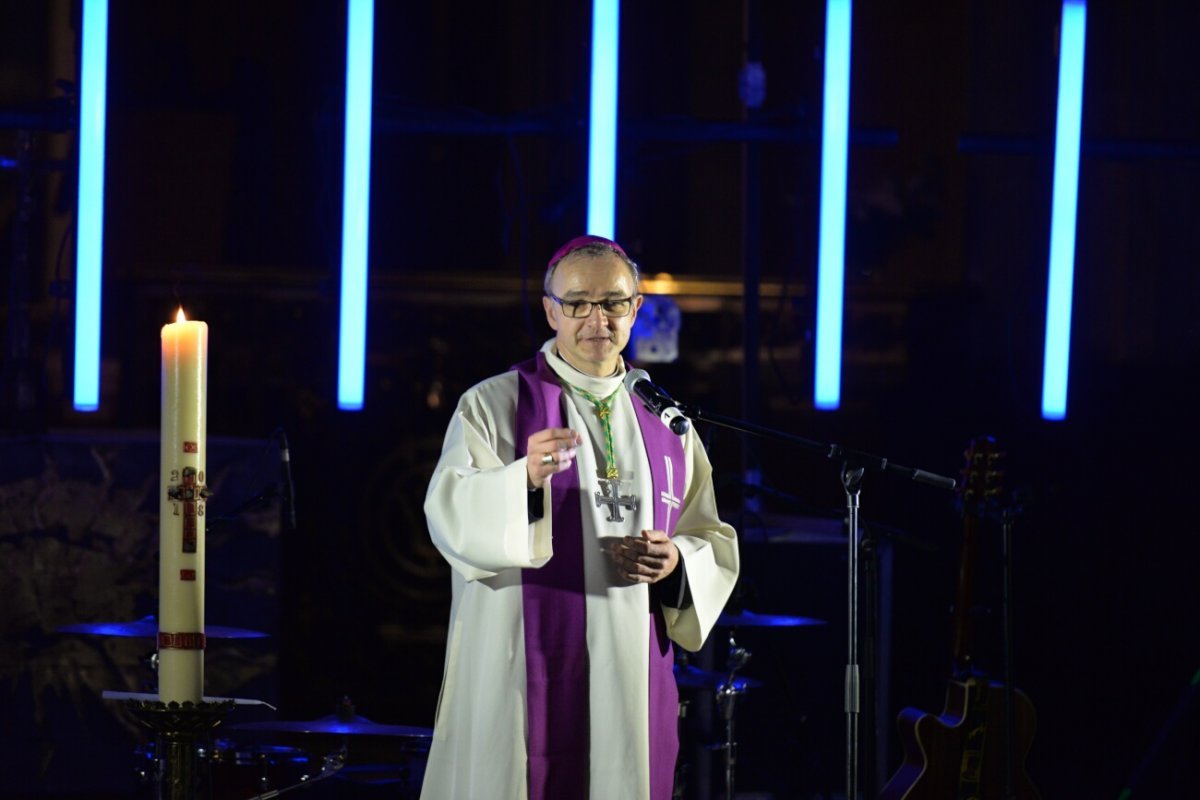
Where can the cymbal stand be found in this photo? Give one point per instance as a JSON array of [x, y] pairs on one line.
[[727, 694]]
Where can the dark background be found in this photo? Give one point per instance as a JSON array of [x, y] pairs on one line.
[[223, 193]]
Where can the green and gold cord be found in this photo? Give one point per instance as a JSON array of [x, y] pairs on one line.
[[604, 412]]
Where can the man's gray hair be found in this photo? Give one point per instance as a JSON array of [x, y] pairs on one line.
[[592, 250]]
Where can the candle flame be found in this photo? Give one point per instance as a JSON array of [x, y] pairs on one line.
[[179, 317]]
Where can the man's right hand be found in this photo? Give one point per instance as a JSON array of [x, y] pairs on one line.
[[549, 452]]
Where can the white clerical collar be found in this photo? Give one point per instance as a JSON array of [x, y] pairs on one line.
[[601, 387]]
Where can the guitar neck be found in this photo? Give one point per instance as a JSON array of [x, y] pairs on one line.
[[981, 488], [963, 600]]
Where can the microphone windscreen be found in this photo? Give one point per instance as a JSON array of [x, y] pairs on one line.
[[633, 377]]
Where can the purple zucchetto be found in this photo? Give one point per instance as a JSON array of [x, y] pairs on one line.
[[582, 241]]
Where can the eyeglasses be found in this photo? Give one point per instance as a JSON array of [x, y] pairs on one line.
[[579, 309]]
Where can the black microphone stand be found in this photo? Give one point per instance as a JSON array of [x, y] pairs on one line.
[[854, 464]]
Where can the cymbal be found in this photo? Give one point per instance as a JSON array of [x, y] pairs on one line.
[[336, 724], [147, 628], [750, 619], [690, 677]]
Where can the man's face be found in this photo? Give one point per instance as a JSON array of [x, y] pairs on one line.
[[593, 343]]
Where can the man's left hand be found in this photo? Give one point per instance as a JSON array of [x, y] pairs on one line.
[[646, 559]]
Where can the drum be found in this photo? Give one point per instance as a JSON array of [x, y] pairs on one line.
[[150, 770], [228, 770], [240, 771], [400, 780]]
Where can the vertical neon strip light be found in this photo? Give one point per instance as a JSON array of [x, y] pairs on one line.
[[1063, 210], [89, 236], [356, 204], [831, 246], [602, 125]]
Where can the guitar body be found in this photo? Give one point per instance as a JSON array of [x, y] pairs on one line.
[[962, 754], [959, 755]]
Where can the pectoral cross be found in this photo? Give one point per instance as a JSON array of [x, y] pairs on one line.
[[668, 497], [610, 495]]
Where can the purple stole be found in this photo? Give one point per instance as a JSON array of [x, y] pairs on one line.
[[556, 659]]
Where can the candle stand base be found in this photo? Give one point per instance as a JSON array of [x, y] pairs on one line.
[[181, 730]]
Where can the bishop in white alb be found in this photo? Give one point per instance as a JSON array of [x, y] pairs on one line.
[[558, 675]]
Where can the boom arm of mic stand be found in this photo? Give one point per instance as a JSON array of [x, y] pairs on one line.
[[829, 450]]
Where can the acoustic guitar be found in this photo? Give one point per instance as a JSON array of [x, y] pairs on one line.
[[960, 754]]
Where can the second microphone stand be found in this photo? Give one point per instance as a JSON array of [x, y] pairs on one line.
[[854, 465]]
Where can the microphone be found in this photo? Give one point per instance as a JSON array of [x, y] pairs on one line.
[[637, 381], [288, 489]]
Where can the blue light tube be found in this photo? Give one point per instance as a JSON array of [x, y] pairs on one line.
[[602, 125], [356, 204], [1063, 210], [831, 246], [89, 233]]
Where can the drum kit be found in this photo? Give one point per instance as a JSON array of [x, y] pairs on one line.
[[727, 686], [251, 769], [264, 759]]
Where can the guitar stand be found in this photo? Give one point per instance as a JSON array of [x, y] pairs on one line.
[[1006, 587]]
